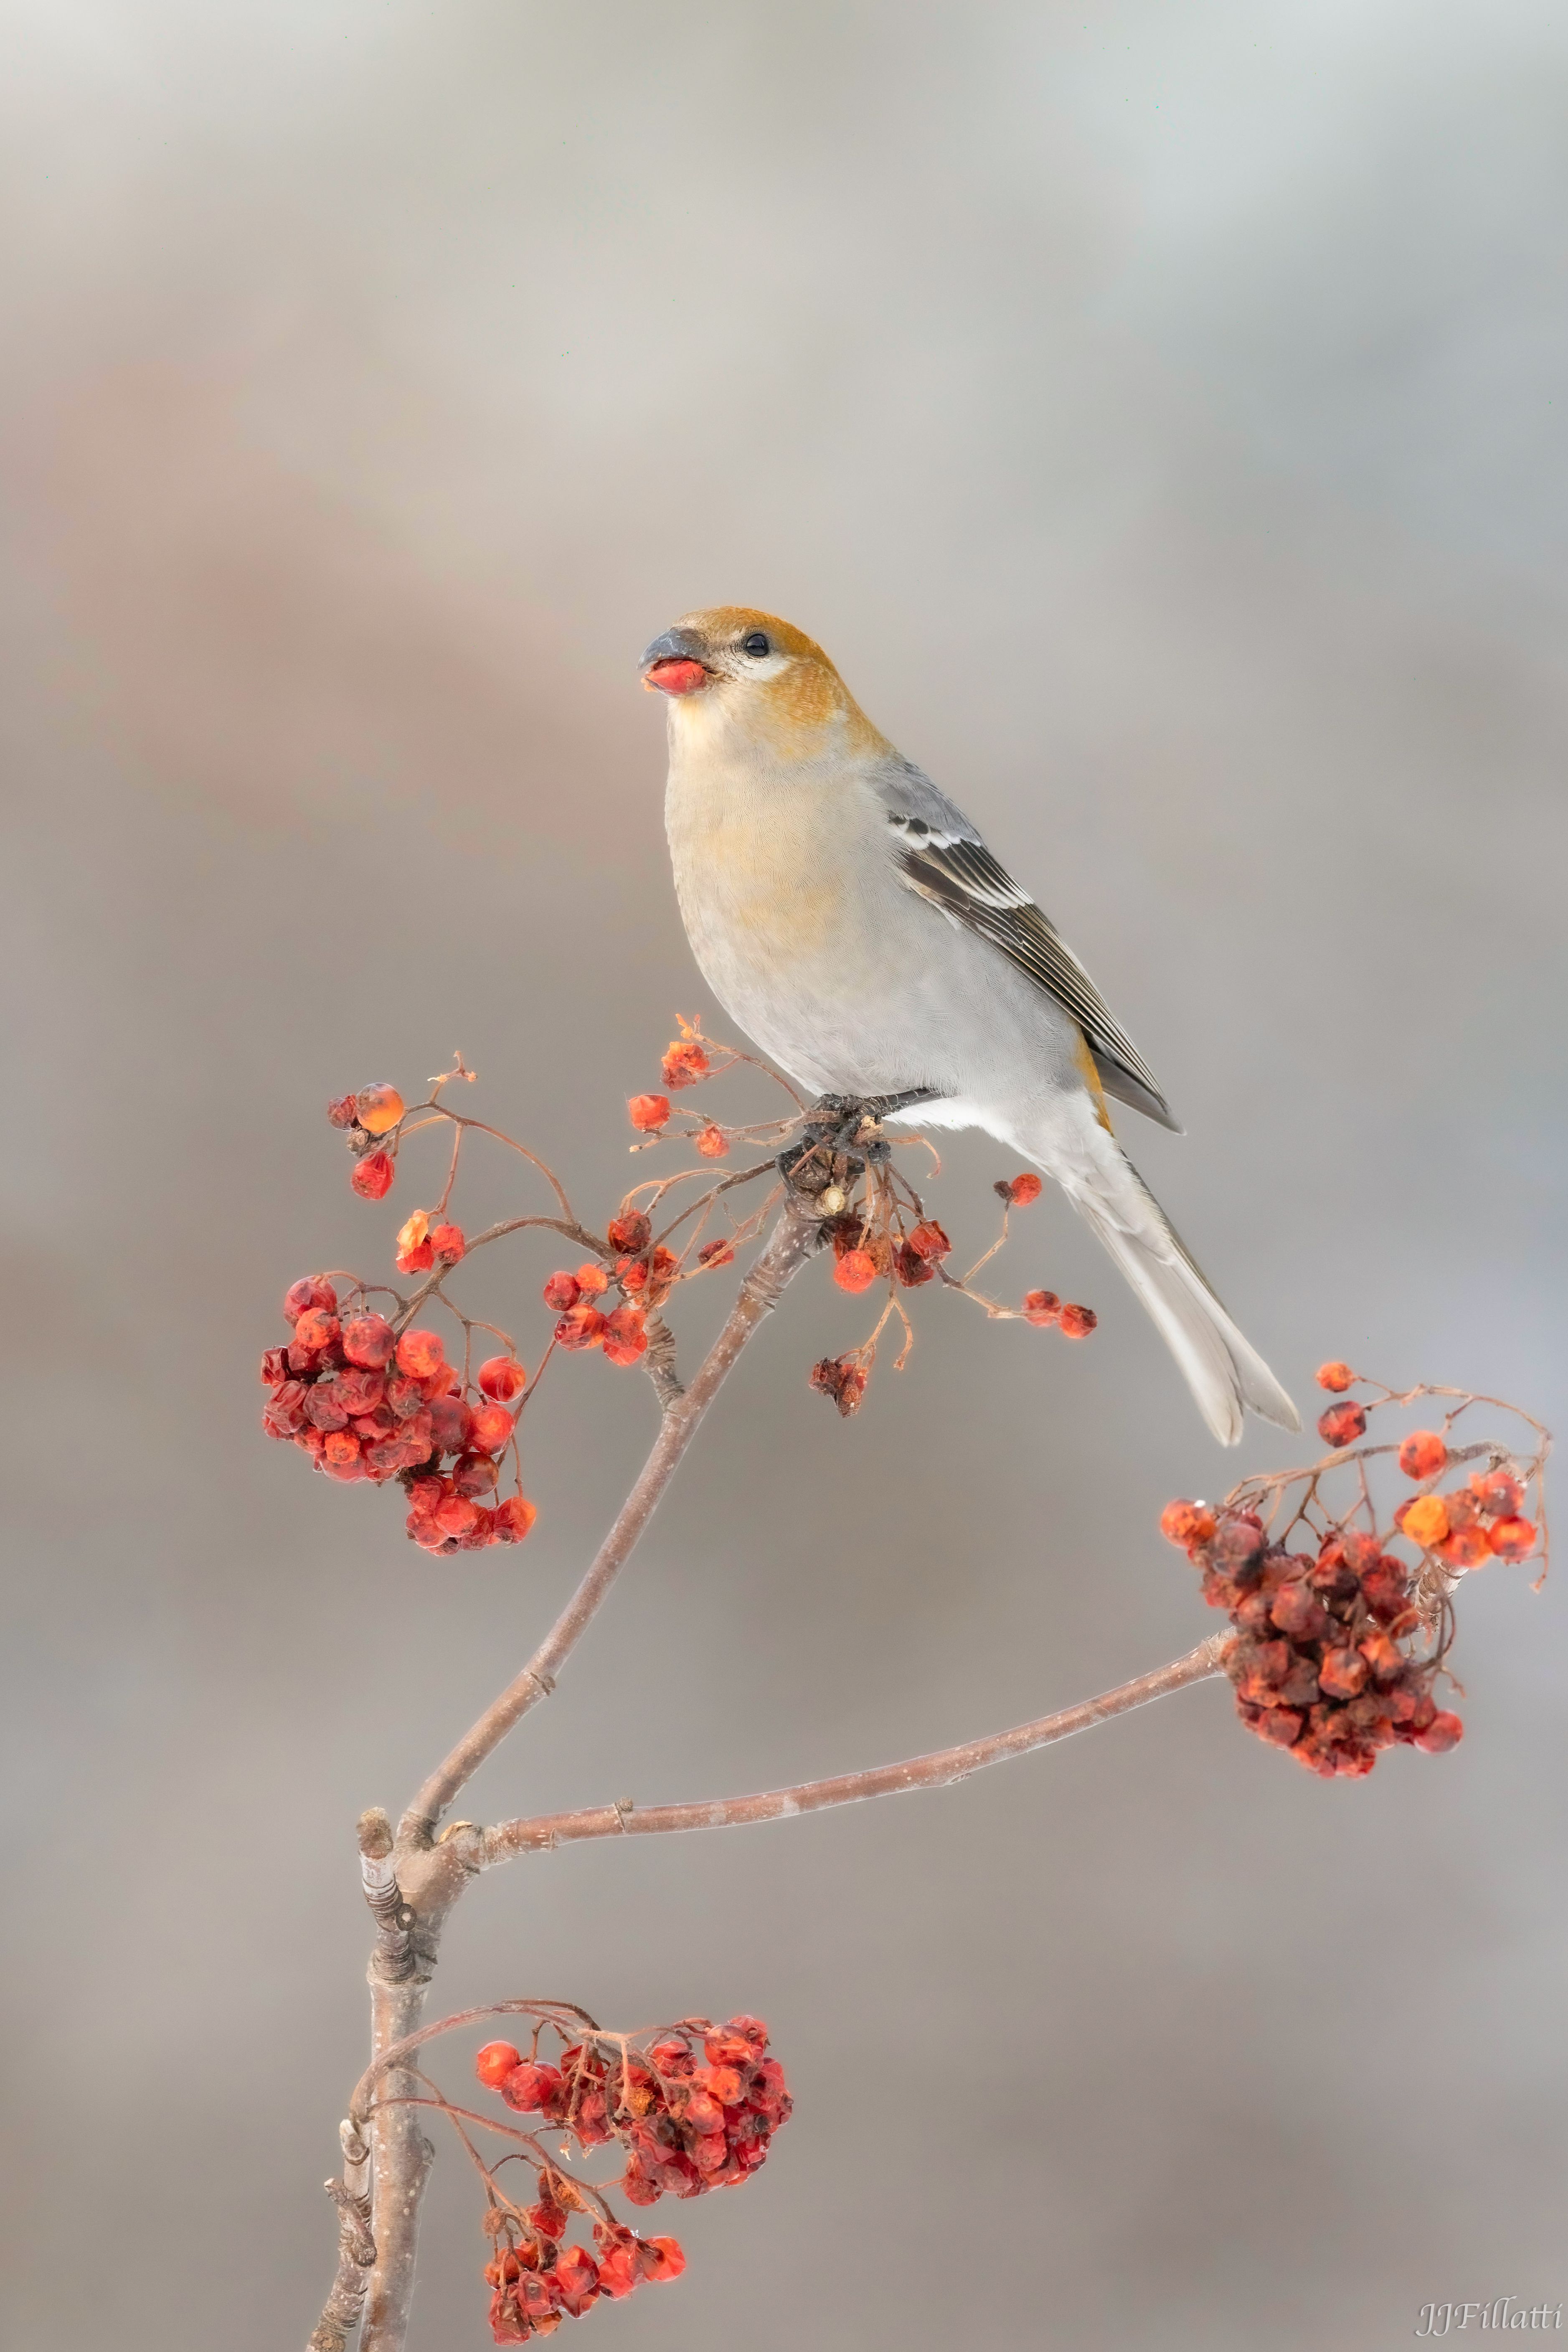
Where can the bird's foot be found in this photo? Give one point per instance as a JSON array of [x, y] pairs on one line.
[[842, 1134]]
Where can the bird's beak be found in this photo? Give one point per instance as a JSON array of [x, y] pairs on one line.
[[672, 664]]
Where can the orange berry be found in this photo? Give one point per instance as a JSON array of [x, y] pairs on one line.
[[379, 1108], [856, 1270], [501, 1378], [447, 1244], [648, 1113], [1336, 1377], [1077, 1322], [625, 1338], [1426, 1520], [580, 1326], [1512, 1539], [684, 1064], [713, 1143], [1023, 1191], [1423, 1455], [490, 1428], [1444, 1731], [659, 2258], [1497, 1493], [1041, 1307], [1464, 1547], [592, 1281], [372, 1177], [368, 1341], [630, 1231], [1186, 1524]]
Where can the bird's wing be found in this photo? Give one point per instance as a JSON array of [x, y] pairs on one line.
[[941, 855]]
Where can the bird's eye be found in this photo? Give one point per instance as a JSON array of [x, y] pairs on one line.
[[756, 645]]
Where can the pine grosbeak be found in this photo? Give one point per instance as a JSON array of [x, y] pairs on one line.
[[854, 924]]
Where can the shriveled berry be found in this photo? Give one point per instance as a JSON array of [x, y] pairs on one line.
[[561, 1291], [577, 2280], [513, 1518], [659, 2258], [625, 1336], [1444, 1731], [1342, 1673], [1021, 1192], [844, 1379], [373, 1176], [631, 1232], [911, 1268], [448, 1245], [344, 1111], [618, 2271], [1499, 1494], [715, 1254], [312, 1290], [856, 1270], [501, 1379], [368, 1340], [580, 1327], [927, 1240], [274, 1366], [1464, 1547], [1297, 1610], [1041, 1307], [711, 1142], [420, 1354], [317, 1330], [684, 1064], [379, 1108], [1423, 1455], [496, 2062], [341, 1454], [1342, 1424], [1336, 1378], [648, 1113], [1077, 1322], [1512, 1539]]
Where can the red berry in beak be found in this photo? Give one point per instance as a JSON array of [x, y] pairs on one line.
[[676, 677]]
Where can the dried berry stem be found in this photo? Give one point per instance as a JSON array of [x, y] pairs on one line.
[[936, 1770], [794, 1240]]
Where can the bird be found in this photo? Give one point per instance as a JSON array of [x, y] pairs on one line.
[[853, 923]]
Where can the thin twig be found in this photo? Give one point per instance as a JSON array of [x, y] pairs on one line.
[[936, 1770]]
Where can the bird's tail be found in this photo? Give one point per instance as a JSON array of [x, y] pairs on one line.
[[1223, 1371]]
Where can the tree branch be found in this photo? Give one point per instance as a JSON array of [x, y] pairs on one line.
[[794, 1239], [937, 1770]]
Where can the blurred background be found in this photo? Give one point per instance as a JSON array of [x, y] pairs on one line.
[[1159, 415]]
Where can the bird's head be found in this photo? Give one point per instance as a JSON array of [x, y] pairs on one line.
[[731, 670]]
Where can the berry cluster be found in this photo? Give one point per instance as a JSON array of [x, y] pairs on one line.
[[365, 1403], [693, 2109], [1324, 1663], [1318, 1663]]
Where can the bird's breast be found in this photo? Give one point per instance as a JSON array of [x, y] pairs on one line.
[[760, 890]]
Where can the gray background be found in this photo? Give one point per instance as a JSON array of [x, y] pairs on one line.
[[1159, 414]]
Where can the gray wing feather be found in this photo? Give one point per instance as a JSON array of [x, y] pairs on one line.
[[942, 857]]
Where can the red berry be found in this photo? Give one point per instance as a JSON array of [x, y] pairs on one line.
[[274, 1366], [713, 1142], [592, 1281], [1336, 1377], [1466, 1548], [451, 1424], [1022, 1191], [502, 1379], [1512, 1539], [659, 2258], [420, 1354], [625, 1336], [856, 1270], [619, 2272], [310, 1290], [718, 1253], [341, 1454], [316, 1330], [1077, 1322], [1342, 1424], [1342, 1673], [1444, 1731], [491, 1429], [1041, 1307], [648, 1113], [368, 1339], [513, 1518], [630, 1231], [1423, 1455], [580, 1327], [1497, 1493], [448, 1245], [576, 2279], [561, 1291], [496, 2062], [927, 1240], [379, 1108], [373, 1176]]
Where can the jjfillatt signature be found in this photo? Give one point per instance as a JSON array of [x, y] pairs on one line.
[[1441, 2318]]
